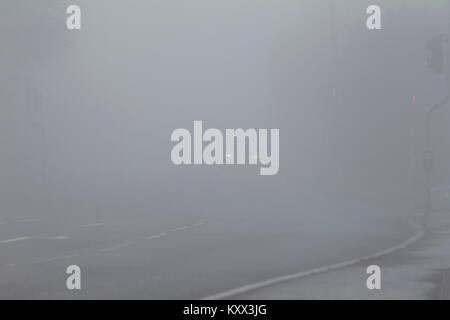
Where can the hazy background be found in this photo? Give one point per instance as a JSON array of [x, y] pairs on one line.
[[86, 116]]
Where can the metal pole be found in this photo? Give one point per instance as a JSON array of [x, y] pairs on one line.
[[428, 149], [429, 114], [448, 49], [333, 43]]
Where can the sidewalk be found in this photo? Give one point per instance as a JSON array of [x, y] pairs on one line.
[[419, 271]]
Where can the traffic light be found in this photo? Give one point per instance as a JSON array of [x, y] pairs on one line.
[[437, 48]]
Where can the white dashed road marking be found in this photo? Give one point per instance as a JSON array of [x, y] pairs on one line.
[[54, 238], [159, 235], [179, 229], [14, 240], [91, 225]]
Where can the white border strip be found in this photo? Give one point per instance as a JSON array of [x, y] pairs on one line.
[[269, 282]]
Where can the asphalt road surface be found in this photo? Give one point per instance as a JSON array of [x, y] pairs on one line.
[[132, 257]]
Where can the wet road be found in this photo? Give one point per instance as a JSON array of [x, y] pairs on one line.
[[177, 257]]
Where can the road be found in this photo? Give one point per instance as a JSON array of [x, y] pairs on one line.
[[87, 115], [150, 257]]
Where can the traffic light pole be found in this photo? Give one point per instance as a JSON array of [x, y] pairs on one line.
[[333, 43], [448, 51], [448, 56], [428, 156]]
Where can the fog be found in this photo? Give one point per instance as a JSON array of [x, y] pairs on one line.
[[86, 115]]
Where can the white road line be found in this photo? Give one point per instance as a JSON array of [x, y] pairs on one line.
[[179, 228], [14, 240], [54, 238], [156, 236], [294, 276], [91, 225], [117, 247]]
